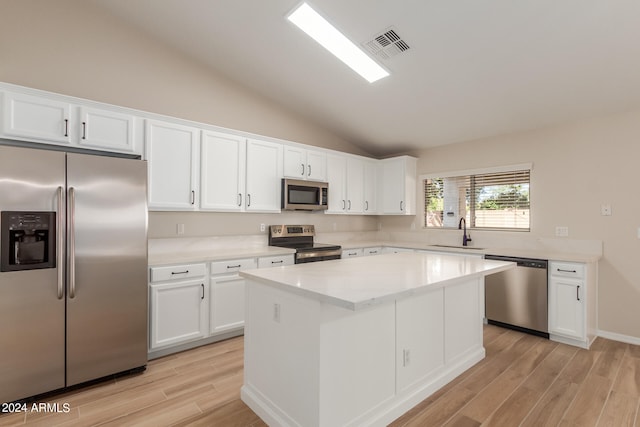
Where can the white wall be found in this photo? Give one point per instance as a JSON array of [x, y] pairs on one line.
[[576, 168]]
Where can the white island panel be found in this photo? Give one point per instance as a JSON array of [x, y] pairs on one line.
[[320, 355]]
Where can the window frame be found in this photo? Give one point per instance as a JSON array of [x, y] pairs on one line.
[[475, 172]]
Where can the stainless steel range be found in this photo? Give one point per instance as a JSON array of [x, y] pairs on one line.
[[300, 238]]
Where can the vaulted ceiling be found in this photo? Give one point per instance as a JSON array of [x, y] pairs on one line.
[[473, 68]]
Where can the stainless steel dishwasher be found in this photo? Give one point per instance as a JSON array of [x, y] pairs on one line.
[[517, 298]]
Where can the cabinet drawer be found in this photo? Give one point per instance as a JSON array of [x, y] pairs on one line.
[[233, 265], [173, 272], [566, 269], [275, 261], [373, 251], [351, 253]]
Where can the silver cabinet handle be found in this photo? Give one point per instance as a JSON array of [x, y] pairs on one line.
[[566, 271], [277, 262], [66, 127], [401, 202], [578, 292], [308, 170], [366, 205], [248, 200], [202, 284], [344, 204], [302, 164], [180, 272], [84, 130], [239, 199], [72, 242], [349, 205], [234, 266], [193, 197], [60, 248]]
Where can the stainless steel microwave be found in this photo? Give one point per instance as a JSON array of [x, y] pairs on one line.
[[298, 195]]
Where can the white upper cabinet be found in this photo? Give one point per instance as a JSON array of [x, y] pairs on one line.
[[54, 121], [355, 185], [33, 117], [370, 187], [337, 179], [345, 174], [398, 185], [222, 172], [301, 163], [263, 176], [107, 130], [172, 154]]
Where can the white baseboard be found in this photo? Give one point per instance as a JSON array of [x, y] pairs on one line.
[[619, 337]]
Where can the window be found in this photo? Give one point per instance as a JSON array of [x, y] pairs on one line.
[[496, 200]]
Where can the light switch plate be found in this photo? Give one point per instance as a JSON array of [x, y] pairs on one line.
[[562, 231]]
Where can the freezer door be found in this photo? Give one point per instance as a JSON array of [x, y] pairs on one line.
[[107, 266], [32, 301]]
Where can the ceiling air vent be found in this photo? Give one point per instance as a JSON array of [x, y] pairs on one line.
[[386, 44]]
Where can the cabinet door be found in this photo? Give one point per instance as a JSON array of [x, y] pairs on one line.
[[295, 162], [370, 188], [227, 303], [222, 173], [566, 307], [264, 176], [337, 178], [32, 117], [106, 130], [171, 151], [355, 185], [316, 166], [178, 313], [393, 187]]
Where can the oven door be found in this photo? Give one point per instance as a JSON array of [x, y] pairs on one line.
[[304, 195]]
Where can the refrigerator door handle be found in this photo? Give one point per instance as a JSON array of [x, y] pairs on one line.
[[72, 242], [60, 241]]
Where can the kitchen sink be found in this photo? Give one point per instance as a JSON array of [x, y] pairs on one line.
[[456, 247]]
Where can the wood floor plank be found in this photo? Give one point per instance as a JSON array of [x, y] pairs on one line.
[[628, 379], [524, 380], [619, 411], [586, 408]]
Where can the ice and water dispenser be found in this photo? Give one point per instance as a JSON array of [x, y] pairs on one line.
[[27, 240]]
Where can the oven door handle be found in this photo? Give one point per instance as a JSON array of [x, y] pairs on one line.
[[315, 254]]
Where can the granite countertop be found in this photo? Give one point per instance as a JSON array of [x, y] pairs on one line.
[[361, 282]]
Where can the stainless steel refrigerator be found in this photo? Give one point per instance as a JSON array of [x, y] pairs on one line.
[[73, 261]]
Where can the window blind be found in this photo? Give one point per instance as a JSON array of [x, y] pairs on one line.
[[497, 200]]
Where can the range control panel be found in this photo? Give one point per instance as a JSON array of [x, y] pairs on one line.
[[292, 230]]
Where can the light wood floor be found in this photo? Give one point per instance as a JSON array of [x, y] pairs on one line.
[[524, 380]]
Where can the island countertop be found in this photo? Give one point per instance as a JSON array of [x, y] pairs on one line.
[[361, 282]]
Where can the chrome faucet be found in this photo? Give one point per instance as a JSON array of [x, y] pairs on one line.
[[465, 238]]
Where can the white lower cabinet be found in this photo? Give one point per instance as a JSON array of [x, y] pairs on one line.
[[572, 305], [178, 305], [227, 294]]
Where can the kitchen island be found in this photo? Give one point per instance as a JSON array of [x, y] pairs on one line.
[[360, 341]]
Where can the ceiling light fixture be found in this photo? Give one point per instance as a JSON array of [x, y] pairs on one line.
[[318, 28]]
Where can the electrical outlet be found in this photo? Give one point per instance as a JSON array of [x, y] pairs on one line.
[[263, 227], [179, 229], [605, 210], [562, 231], [406, 357], [276, 312]]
